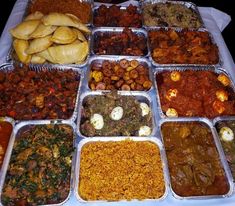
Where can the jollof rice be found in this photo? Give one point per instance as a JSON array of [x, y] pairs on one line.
[[121, 170], [81, 9]]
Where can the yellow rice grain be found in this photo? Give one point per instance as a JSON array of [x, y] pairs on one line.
[[121, 170]]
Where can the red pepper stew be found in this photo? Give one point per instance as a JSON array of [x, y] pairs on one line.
[[126, 42], [5, 133], [47, 94], [196, 93], [114, 16], [183, 47]]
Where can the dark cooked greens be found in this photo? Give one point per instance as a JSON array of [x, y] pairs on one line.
[[40, 166], [129, 124]]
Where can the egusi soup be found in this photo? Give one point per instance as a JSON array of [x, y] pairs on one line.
[[193, 160], [122, 170], [40, 166], [5, 133], [226, 130]]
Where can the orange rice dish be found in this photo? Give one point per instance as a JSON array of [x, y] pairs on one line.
[[123, 170], [80, 9]]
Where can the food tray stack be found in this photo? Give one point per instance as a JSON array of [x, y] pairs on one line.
[[123, 57]]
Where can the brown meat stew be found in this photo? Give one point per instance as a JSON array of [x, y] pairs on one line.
[[182, 47], [193, 160]]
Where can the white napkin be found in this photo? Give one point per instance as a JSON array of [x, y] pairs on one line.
[[211, 14]]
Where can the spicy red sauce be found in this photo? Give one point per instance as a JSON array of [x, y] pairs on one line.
[[5, 133], [196, 93]]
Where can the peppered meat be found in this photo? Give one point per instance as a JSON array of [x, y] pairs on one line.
[[46, 94]]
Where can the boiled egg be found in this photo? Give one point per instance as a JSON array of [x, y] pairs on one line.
[[144, 108], [116, 113], [222, 95], [97, 121], [171, 112], [55, 151], [171, 93], [144, 131], [218, 106], [68, 160], [224, 79], [226, 134], [175, 76]]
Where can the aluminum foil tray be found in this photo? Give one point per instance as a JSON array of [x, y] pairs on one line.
[[154, 140], [216, 121], [12, 122], [12, 57], [182, 69], [189, 5], [183, 65], [17, 129], [113, 30], [10, 67], [209, 125], [141, 96], [100, 59]]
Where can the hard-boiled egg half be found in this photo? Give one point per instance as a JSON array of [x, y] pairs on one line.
[[171, 112], [144, 131], [97, 121], [144, 108], [116, 113], [226, 134]]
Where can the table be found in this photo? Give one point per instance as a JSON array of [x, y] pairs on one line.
[[171, 201]]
